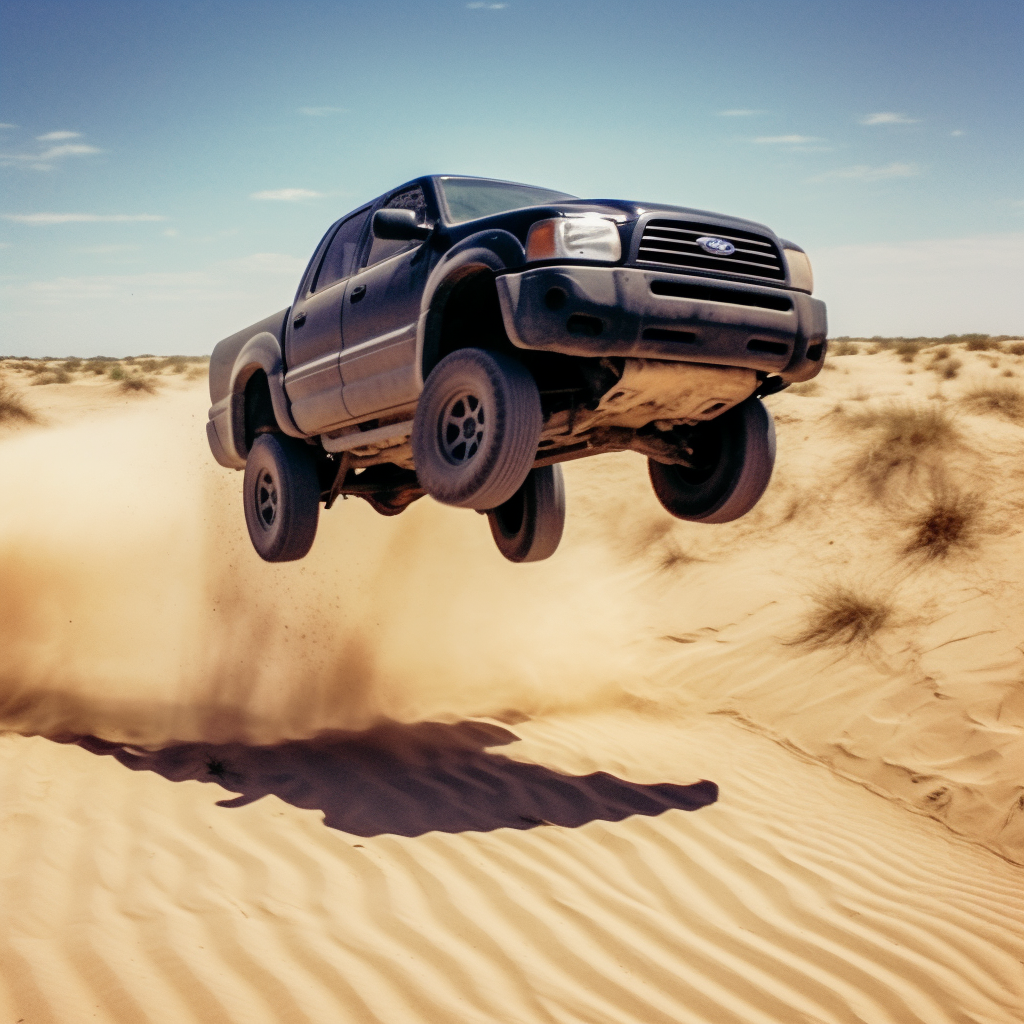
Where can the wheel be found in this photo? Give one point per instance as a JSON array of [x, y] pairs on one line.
[[528, 527], [281, 494], [475, 433], [735, 454]]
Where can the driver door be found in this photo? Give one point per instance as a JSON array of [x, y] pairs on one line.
[[313, 381]]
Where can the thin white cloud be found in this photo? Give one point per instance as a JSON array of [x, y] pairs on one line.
[[479, 5], [956, 134], [864, 172], [888, 117], [80, 218], [739, 113], [58, 136], [785, 140], [4, 124], [321, 111], [286, 195], [43, 161]]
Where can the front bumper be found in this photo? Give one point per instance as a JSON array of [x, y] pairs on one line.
[[648, 314]]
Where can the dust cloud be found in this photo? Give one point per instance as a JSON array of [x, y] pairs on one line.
[[133, 608]]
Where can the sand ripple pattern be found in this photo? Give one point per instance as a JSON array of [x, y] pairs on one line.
[[796, 898]]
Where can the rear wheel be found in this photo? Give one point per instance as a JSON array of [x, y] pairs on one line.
[[281, 495], [476, 429], [733, 460], [528, 527]]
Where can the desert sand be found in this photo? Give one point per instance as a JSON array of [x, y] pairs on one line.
[[666, 776]]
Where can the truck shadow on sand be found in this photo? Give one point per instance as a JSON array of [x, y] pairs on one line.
[[410, 779]]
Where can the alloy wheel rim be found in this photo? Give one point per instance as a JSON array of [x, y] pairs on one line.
[[266, 499], [461, 428]]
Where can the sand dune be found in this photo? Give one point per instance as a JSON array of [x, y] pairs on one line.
[[404, 780]]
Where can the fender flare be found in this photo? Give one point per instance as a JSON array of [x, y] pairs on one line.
[[261, 352], [494, 250]]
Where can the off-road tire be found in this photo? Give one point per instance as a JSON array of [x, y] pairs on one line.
[[475, 433], [736, 455], [281, 495], [528, 527]]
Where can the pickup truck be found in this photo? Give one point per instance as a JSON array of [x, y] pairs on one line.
[[461, 337]]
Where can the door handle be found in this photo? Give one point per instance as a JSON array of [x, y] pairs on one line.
[[299, 320], [357, 293]]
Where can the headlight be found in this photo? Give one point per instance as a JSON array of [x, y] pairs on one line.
[[574, 238], [801, 277]]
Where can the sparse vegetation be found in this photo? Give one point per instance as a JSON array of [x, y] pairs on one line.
[[137, 383], [1016, 349], [980, 342], [996, 399], [843, 348], [58, 376], [949, 521], [843, 616], [72, 365], [903, 433], [907, 350], [973, 342], [806, 390], [12, 407], [116, 372]]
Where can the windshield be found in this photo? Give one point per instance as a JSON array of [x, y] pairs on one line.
[[470, 198]]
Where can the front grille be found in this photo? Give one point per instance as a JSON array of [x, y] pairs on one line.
[[674, 242]]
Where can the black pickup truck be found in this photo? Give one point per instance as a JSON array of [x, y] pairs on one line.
[[461, 337]]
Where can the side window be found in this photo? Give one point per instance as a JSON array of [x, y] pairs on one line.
[[410, 199], [338, 261]]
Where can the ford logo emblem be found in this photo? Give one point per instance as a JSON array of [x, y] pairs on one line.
[[716, 246]]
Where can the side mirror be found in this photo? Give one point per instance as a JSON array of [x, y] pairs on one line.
[[399, 226]]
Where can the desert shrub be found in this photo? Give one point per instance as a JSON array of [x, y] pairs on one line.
[[197, 373], [940, 353], [805, 390], [948, 369], [136, 384], [903, 433], [843, 616], [149, 365], [907, 350], [979, 342], [174, 364], [997, 400], [1017, 348], [11, 405], [116, 372], [58, 376], [843, 348], [72, 364], [949, 521]]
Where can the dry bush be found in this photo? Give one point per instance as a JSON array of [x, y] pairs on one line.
[[980, 342], [149, 366], [843, 616], [996, 399], [902, 435], [197, 373], [137, 384], [946, 367], [949, 521], [58, 376], [1016, 349], [116, 372], [72, 364], [843, 348], [11, 405], [940, 353], [806, 390], [907, 350]]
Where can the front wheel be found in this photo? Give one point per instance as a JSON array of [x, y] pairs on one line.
[[733, 460], [528, 527], [476, 429], [281, 495]]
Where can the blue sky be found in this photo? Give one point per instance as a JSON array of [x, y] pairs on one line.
[[168, 168]]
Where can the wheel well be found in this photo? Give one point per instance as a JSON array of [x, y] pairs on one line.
[[259, 408], [469, 317]]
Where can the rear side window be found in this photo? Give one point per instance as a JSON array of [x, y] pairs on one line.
[[339, 260], [409, 199]]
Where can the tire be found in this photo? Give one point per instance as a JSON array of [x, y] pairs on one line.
[[528, 527], [281, 495], [736, 455], [475, 433]]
